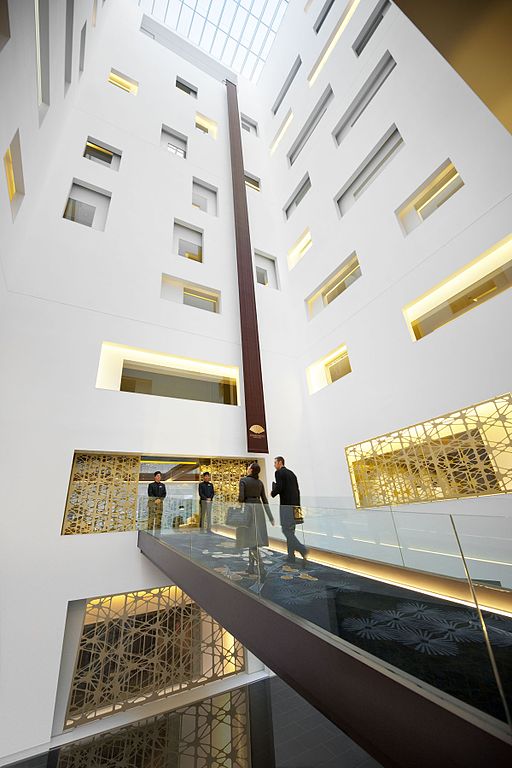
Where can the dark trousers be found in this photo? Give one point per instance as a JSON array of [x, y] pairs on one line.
[[205, 519], [288, 528]]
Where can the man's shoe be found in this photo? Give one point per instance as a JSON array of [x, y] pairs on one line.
[[305, 557]]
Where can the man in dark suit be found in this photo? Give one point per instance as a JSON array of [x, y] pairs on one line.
[[206, 494], [286, 487], [156, 495]]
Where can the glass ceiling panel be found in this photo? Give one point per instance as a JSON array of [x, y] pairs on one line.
[[239, 33]]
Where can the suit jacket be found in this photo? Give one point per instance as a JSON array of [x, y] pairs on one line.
[[286, 487], [157, 490]]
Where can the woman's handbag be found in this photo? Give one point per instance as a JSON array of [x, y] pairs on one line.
[[298, 515], [238, 516]]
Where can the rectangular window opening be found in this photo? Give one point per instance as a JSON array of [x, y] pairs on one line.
[[310, 125], [192, 295], [205, 125], [87, 205], [317, 26], [334, 285], [5, 27], [431, 195], [365, 96], [187, 88], [266, 270], [82, 48], [99, 152], [42, 28], [188, 241], [204, 196], [14, 174], [286, 85], [299, 249], [248, 124], [328, 369], [298, 196], [123, 82], [68, 55], [252, 181], [333, 40], [370, 169], [174, 142], [480, 280], [281, 132], [369, 28]]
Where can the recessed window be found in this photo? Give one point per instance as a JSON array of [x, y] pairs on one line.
[[317, 26], [42, 28], [204, 196], [191, 294], [430, 196], [266, 270], [334, 286], [205, 125], [68, 54], [14, 174], [123, 81], [5, 29], [281, 132], [249, 125], [333, 40], [298, 196], [187, 88], [310, 125], [87, 205], [365, 96], [82, 48], [370, 169], [328, 369], [482, 279], [174, 142], [369, 28], [188, 241], [102, 153], [299, 249], [252, 181], [286, 85]]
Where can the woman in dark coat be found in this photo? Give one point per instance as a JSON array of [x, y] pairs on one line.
[[252, 492]]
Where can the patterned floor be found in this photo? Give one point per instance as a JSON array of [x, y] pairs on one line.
[[435, 640]]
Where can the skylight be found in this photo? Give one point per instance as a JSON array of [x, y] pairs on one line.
[[239, 33]]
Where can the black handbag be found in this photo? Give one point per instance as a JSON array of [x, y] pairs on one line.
[[238, 516], [298, 515]]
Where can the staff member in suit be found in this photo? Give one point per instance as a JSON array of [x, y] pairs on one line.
[[286, 486], [206, 494], [156, 495]]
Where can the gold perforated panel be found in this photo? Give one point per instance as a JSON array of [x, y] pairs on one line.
[[102, 494], [141, 646], [462, 454], [213, 732], [226, 474]]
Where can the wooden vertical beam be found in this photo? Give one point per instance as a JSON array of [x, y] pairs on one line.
[[253, 382]]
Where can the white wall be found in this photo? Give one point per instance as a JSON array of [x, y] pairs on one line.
[[64, 288]]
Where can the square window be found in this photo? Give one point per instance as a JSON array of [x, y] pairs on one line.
[[102, 153], [187, 88], [87, 205]]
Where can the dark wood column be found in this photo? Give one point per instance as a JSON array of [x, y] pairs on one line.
[[253, 382]]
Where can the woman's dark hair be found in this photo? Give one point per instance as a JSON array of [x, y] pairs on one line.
[[254, 469]]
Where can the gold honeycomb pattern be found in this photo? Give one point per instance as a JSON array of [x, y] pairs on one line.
[[102, 494], [461, 454], [212, 732], [142, 646], [226, 474]]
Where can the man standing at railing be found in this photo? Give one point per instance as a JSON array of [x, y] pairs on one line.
[[206, 494], [286, 486], [156, 495]]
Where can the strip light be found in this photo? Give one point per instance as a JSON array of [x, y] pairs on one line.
[[333, 40], [9, 172], [281, 132]]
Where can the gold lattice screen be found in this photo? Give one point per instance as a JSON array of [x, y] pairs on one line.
[[462, 454], [143, 646], [213, 732], [226, 474]]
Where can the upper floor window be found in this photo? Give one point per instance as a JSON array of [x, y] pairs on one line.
[[187, 88]]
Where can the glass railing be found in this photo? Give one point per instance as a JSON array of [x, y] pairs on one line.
[[429, 595]]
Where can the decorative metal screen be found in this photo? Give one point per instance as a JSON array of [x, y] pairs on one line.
[[141, 646], [462, 454], [212, 732], [102, 494], [226, 474]]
